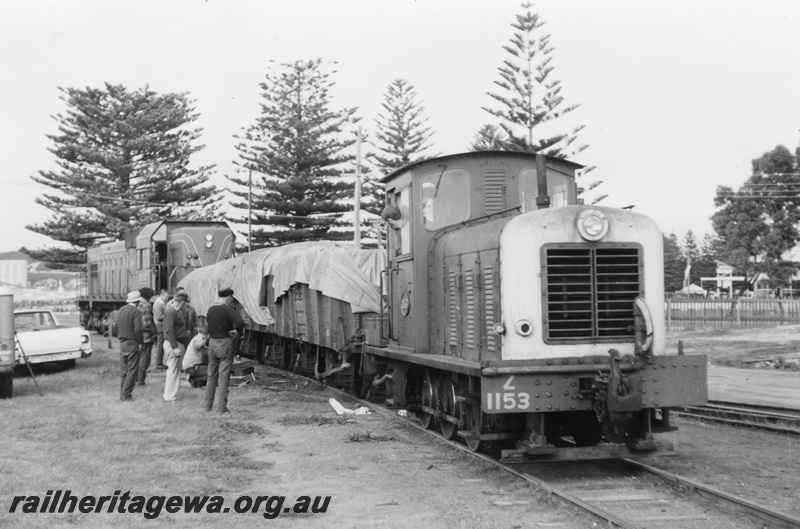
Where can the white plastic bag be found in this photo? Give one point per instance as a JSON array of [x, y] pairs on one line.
[[341, 410]]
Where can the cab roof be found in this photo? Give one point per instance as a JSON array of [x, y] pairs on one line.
[[477, 154]]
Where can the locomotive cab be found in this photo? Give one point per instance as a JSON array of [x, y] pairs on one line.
[[432, 198]]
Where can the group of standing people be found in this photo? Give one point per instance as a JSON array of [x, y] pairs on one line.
[[172, 327]]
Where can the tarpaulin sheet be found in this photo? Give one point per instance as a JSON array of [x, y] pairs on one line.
[[338, 271]]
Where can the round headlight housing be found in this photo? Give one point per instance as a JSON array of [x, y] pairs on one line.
[[592, 225]]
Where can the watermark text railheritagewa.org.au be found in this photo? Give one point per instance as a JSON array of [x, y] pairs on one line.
[[63, 501]]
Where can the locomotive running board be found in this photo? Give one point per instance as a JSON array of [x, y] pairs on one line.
[[549, 453]]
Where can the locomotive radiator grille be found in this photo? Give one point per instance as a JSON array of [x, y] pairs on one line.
[[589, 293]]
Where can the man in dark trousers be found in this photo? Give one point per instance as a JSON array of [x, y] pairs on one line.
[[129, 330], [148, 332], [224, 324]]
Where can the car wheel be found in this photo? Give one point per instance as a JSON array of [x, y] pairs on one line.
[[6, 385]]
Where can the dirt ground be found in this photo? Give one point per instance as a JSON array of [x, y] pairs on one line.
[[773, 347]]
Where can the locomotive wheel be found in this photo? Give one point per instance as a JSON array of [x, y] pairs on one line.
[[448, 405], [474, 419], [428, 398]]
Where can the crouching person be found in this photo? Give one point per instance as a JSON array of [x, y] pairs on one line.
[[195, 361]]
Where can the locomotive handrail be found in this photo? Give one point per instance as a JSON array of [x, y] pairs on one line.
[[384, 336], [390, 312], [169, 279], [641, 305]]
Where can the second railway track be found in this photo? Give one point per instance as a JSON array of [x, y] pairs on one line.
[[772, 419]]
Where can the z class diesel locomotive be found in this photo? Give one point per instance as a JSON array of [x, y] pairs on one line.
[[507, 313], [157, 255]]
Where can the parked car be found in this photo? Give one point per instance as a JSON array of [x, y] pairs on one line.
[[43, 340]]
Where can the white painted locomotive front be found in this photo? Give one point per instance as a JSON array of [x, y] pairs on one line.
[[522, 297]]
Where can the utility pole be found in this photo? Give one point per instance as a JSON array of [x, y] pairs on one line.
[[249, 209], [357, 216]]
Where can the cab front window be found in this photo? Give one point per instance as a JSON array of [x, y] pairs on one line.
[[445, 198], [558, 186]]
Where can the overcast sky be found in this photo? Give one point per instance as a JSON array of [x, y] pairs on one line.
[[677, 97]]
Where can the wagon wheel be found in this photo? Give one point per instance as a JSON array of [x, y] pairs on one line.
[[448, 405], [428, 398]]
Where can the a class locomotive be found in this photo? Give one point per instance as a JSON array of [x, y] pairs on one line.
[[157, 255], [506, 313]]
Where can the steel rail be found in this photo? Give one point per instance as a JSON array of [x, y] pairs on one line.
[[774, 421], [776, 518]]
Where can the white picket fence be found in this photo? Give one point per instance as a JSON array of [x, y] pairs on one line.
[[723, 313]]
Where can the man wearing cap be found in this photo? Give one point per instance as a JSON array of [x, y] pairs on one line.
[[224, 324], [129, 330], [176, 337]]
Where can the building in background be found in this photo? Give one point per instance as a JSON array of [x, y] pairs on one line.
[[14, 272]]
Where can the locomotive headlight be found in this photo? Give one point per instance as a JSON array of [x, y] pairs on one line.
[[592, 225], [209, 241]]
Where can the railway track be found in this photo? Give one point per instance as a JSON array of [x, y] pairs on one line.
[[626, 493], [772, 419]]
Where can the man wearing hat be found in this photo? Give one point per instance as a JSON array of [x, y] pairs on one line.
[[129, 330], [176, 337], [224, 324]]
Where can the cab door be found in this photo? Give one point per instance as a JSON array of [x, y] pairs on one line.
[[401, 270]]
